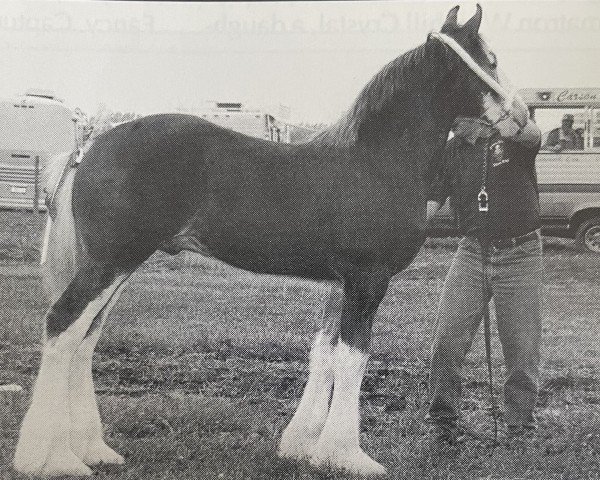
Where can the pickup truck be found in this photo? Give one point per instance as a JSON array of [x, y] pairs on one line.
[[568, 173]]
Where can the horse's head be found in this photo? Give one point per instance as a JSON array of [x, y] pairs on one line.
[[477, 86]]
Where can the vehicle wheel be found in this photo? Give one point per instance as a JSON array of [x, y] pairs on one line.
[[587, 238]]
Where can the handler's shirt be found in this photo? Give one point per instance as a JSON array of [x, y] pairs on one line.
[[511, 184]]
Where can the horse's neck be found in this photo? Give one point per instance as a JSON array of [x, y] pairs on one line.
[[417, 110], [396, 124], [405, 145]]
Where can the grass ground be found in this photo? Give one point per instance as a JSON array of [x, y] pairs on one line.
[[201, 367]]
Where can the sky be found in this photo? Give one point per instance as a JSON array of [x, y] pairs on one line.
[[313, 57]]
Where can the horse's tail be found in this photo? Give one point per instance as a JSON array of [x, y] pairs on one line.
[[60, 254]]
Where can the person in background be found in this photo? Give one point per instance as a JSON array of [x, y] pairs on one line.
[[564, 137], [492, 184], [579, 132]]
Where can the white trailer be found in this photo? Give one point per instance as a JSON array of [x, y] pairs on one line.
[[33, 127], [235, 116]]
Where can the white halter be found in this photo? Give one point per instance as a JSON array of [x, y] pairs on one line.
[[508, 96]]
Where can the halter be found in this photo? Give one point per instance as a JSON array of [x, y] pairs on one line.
[[508, 96]]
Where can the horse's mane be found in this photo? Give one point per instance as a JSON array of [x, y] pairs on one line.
[[374, 97]]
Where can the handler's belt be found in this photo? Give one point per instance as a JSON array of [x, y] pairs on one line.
[[502, 243]]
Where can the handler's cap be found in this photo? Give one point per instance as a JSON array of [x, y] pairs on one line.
[[568, 116]]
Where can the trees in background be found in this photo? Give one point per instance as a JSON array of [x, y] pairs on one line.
[[104, 119]]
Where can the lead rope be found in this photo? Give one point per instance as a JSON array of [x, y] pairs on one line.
[[487, 335], [483, 203]]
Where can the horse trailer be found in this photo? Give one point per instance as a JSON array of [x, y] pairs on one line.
[[34, 126], [252, 122]]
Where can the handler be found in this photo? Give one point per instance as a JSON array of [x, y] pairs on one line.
[[493, 188]]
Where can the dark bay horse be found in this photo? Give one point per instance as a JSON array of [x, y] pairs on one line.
[[347, 206]]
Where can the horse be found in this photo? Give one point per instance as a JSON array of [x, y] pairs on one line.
[[347, 206]]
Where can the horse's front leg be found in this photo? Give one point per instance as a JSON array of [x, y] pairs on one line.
[[301, 435], [339, 444]]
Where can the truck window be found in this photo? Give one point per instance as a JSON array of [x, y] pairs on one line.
[[596, 128], [562, 128]]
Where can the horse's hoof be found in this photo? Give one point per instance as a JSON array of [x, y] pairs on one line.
[[295, 450], [354, 461], [297, 444], [71, 466], [57, 464], [102, 453]]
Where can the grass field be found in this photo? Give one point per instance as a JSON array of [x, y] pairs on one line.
[[201, 367]]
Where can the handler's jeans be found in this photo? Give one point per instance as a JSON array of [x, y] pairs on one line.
[[513, 279]]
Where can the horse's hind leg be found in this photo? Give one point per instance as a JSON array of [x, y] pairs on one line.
[[338, 444], [86, 427], [44, 445], [302, 433]]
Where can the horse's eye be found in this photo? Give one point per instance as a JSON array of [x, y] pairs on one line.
[[492, 59]]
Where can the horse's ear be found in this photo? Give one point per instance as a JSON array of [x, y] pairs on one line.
[[472, 26], [452, 18]]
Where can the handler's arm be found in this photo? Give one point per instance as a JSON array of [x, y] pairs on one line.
[[530, 136], [526, 145]]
